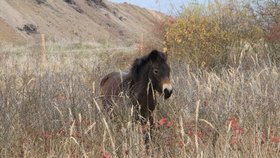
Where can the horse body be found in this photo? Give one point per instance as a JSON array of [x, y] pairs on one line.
[[113, 78], [148, 75], [117, 84]]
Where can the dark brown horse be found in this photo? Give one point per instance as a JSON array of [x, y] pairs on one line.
[[148, 75]]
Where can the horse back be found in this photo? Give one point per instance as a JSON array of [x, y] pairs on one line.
[[110, 85]]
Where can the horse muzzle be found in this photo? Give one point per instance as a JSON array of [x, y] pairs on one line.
[[167, 90]]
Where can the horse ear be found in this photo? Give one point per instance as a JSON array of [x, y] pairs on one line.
[[136, 67], [166, 55], [154, 55]]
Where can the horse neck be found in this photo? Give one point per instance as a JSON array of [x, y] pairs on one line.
[[144, 92]]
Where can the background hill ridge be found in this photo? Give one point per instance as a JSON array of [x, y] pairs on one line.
[[84, 20]]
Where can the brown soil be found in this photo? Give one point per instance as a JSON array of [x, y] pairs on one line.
[[9, 35]]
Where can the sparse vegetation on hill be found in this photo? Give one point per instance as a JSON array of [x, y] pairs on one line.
[[70, 1], [41, 1], [78, 20]]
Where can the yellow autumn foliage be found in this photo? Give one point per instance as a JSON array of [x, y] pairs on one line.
[[203, 35]]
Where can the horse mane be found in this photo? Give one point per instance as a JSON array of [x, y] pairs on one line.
[[139, 63]]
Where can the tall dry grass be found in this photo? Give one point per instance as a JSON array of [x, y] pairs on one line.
[[55, 111]]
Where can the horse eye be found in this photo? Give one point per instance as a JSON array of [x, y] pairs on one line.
[[155, 71]]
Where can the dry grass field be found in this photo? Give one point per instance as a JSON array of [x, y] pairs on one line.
[[52, 109]]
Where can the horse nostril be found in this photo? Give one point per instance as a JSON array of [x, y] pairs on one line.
[[167, 90], [167, 93]]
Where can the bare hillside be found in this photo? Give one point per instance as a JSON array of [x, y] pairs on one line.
[[97, 21]]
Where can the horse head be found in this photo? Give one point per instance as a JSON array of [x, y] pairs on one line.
[[155, 68]]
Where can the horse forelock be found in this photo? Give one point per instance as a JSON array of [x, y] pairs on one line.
[[157, 55]]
